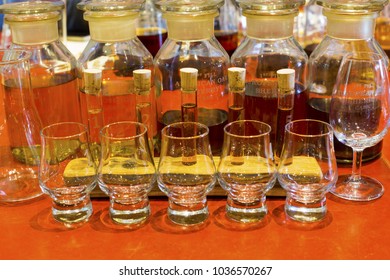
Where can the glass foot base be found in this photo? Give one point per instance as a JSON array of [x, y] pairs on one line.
[[130, 217], [187, 217], [245, 215], [365, 189], [71, 216], [305, 212]]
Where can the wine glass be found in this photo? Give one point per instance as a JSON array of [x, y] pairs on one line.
[[67, 171], [359, 114], [186, 171], [307, 169], [246, 169], [126, 171]]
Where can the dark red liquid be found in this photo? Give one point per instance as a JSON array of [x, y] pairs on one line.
[[152, 38], [228, 40]]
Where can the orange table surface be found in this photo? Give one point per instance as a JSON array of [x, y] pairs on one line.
[[350, 231]]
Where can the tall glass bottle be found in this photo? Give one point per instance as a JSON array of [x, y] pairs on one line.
[[191, 43], [34, 27], [151, 27], [268, 47], [350, 27], [106, 79]]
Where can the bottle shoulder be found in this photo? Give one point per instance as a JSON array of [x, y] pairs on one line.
[[101, 54]]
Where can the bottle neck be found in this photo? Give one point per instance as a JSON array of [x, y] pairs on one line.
[[355, 27], [187, 27], [34, 32], [270, 27], [111, 29]]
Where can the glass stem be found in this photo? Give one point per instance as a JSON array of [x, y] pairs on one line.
[[357, 165]]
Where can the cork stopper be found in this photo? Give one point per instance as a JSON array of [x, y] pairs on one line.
[[92, 80], [286, 79], [236, 76], [189, 78], [142, 81]]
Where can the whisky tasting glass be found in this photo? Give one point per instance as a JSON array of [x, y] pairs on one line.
[[186, 171], [126, 171], [67, 171], [307, 169], [246, 169], [359, 114]]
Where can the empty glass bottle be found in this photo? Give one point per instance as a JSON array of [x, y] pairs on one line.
[[350, 27], [268, 47], [106, 80], [34, 27], [191, 43]]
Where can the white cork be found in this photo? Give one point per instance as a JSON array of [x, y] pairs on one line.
[[142, 81], [189, 78], [92, 80], [236, 76], [286, 78]]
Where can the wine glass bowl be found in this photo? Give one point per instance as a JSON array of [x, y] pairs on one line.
[[359, 114]]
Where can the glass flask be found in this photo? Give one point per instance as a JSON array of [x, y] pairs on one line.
[[191, 43], [19, 129], [34, 27], [268, 47], [106, 66], [226, 26], [151, 27], [350, 28]]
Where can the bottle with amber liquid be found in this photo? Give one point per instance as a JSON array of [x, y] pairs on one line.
[[151, 27], [382, 29], [191, 44], [34, 27], [107, 64], [269, 46], [226, 26], [350, 27]]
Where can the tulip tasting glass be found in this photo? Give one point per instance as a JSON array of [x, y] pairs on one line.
[[307, 169], [67, 171], [246, 169], [126, 171], [186, 171]]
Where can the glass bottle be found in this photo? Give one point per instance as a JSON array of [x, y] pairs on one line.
[[151, 27], [191, 43], [226, 26], [34, 27], [350, 27], [310, 26], [382, 29], [109, 59], [269, 46], [19, 129]]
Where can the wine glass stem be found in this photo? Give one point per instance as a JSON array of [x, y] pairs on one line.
[[356, 165]]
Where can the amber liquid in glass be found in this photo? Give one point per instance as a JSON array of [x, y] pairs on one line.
[[152, 38], [228, 40]]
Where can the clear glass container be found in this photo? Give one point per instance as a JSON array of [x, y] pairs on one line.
[[151, 27], [34, 27], [19, 129], [382, 29], [191, 43], [106, 79], [226, 26], [310, 26], [268, 47], [350, 27]]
